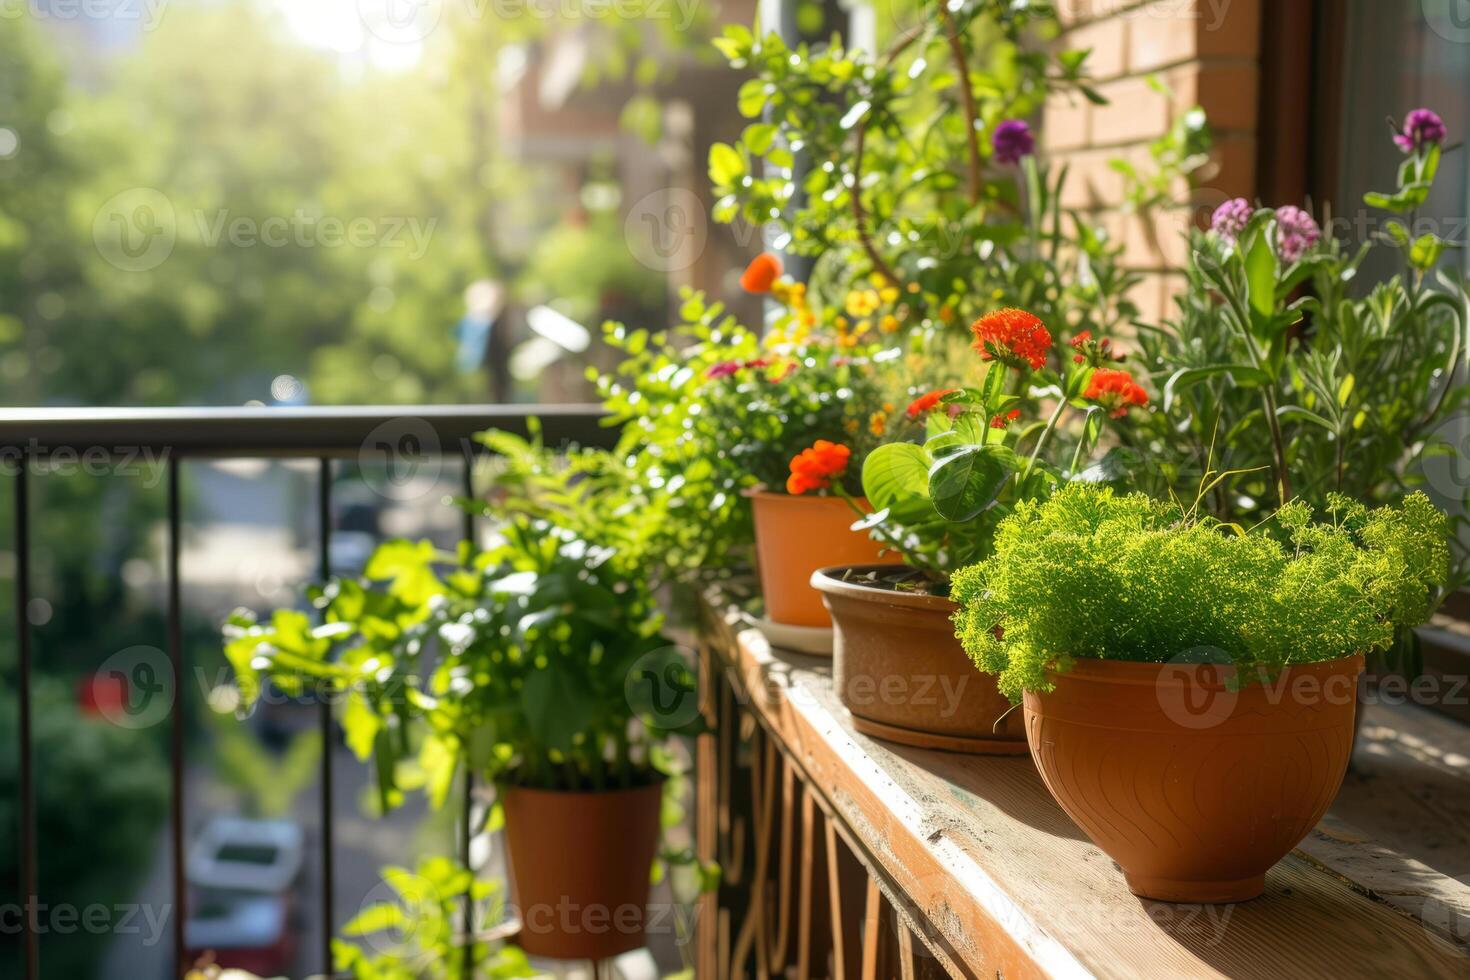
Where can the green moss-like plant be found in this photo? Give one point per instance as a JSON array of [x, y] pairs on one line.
[[1091, 574]]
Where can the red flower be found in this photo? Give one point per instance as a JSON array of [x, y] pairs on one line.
[[1115, 391], [761, 274], [1014, 337], [925, 404], [723, 369], [1080, 339], [1001, 421], [815, 468]]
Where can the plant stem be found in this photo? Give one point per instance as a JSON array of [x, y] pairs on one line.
[[967, 98], [855, 193], [1051, 425]]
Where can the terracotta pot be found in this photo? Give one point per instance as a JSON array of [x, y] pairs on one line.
[[795, 536], [1194, 789], [904, 676], [579, 868]]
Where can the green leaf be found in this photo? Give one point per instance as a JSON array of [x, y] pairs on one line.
[[1425, 252], [758, 137], [1118, 465], [557, 707], [725, 165], [1243, 375], [895, 471], [964, 484], [1260, 277]]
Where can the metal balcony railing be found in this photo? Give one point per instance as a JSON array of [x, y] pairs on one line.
[[28, 436]]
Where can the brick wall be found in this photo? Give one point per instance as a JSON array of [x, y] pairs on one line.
[[1207, 53]]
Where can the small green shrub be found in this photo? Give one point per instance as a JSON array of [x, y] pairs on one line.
[[1096, 575]]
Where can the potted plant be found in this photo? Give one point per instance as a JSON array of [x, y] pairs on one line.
[[713, 413], [899, 668], [538, 665], [1189, 686]]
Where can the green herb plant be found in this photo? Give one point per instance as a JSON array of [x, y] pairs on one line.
[[1094, 574], [1300, 378]]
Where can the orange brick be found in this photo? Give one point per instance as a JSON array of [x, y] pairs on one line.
[[1227, 92], [1135, 111], [1162, 34], [1229, 28], [1071, 12], [1234, 169], [1154, 296], [1091, 182], [1068, 122], [1156, 240], [1108, 41]]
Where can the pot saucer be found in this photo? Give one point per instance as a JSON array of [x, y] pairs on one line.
[[813, 640]]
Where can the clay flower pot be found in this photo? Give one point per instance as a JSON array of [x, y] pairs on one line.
[[1195, 789], [579, 868], [795, 536], [903, 674]]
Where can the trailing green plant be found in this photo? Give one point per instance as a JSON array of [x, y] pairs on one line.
[[1093, 574], [1302, 380]]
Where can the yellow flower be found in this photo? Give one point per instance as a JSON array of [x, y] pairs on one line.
[[878, 280], [878, 423], [889, 324], [889, 295], [861, 302]]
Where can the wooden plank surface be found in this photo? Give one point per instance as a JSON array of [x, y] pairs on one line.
[[999, 881]]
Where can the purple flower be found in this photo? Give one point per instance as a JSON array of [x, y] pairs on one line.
[[1012, 140], [1421, 128], [1231, 218], [723, 369], [1296, 231]]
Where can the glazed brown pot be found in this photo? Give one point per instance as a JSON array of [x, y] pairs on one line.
[[795, 536], [1195, 789], [904, 676], [579, 868]]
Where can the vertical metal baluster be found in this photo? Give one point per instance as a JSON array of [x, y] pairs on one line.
[[468, 924], [324, 520], [176, 716], [27, 815]]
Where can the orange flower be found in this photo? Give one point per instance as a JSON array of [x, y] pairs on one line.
[[1001, 421], [925, 404], [1115, 391], [817, 467], [1014, 337], [761, 274]]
